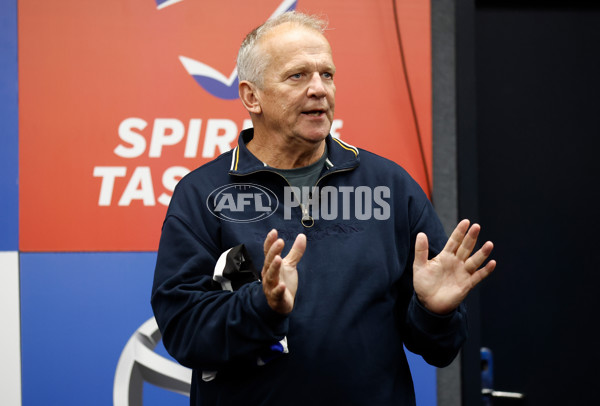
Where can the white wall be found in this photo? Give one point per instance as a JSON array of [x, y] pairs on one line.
[[10, 337]]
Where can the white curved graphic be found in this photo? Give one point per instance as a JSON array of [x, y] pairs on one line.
[[165, 3], [197, 68], [139, 363]]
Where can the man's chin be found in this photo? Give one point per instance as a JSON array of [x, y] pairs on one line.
[[315, 135], [314, 138]]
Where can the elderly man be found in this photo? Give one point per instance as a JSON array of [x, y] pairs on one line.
[[324, 323]]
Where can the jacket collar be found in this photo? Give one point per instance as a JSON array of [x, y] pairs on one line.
[[341, 155]]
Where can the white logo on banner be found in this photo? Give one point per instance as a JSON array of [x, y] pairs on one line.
[[139, 363]]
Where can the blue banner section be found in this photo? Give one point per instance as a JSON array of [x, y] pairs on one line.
[[424, 378], [78, 312], [9, 128]]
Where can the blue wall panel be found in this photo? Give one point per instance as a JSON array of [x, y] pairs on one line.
[[78, 311], [9, 142], [424, 378]]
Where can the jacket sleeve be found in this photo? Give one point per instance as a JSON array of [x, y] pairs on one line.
[[204, 327], [437, 338]]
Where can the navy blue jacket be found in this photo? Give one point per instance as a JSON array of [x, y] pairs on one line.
[[355, 305]]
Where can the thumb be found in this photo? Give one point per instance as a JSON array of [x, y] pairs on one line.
[[295, 254], [421, 250]]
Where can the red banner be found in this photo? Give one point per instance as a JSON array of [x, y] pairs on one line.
[[120, 98]]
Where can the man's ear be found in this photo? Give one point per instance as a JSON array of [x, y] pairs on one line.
[[248, 96]]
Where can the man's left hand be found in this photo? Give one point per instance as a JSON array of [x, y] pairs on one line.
[[443, 282]]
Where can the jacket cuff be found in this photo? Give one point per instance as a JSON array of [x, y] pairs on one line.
[[277, 322], [430, 322]]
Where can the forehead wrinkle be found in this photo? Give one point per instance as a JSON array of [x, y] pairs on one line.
[[306, 61], [320, 65]]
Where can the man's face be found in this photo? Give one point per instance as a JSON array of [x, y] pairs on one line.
[[297, 98]]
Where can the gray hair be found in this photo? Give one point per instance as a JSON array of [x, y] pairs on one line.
[[251, 63]]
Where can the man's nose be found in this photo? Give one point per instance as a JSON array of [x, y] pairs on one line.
[[316, 87]]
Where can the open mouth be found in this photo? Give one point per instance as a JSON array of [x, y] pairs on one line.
[[314, 113]]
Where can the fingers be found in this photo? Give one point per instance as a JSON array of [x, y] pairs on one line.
[[468, 243], [457, 236], [279, 276], [295, 254], [477, 259], [463, 240], [273, 247], [482, 273], [421, 250], [271, 238], [271, 277]]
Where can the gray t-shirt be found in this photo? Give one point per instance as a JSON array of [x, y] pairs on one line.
[[306, 175]]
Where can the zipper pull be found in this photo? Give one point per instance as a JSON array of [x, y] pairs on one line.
[[307, 221]]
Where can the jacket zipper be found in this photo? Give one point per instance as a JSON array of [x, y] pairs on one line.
[[307, 221]]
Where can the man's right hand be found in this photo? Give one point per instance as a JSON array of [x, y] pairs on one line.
[[280, 276]]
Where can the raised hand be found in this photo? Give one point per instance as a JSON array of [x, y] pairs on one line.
[[280, 275], [443, 282]]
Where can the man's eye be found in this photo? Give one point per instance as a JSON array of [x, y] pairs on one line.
[[328, 75], [296, 76]]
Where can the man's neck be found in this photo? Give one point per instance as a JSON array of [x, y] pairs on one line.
[[283, 155]]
